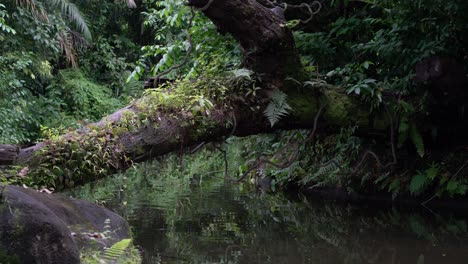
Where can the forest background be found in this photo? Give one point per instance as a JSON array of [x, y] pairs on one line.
[[65, 64]]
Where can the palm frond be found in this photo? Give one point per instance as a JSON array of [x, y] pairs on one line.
[[67, 45], [68, 9], [73, 14]]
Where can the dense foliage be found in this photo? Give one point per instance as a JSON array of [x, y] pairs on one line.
[[65, 64], [60, 69], [54, 74], [374, 46]]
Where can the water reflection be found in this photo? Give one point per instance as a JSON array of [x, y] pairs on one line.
[[215, 222]]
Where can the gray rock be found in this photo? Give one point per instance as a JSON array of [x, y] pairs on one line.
[[51, 228]]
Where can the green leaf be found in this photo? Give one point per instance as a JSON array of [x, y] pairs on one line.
[[417, 226], [394, 186], [403, 131], [277, 108], [245, 73], [117, 250], [366, 64], [417, 183], [417, 140], [381, 178], [452, 186], [432, 172]]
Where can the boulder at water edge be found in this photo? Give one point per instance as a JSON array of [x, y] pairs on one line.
[[51, 228]]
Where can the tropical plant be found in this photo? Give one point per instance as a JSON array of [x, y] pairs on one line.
[[3, 25], [182, 40], [277, 108], [37, 38], [117, 250], [67, 16]]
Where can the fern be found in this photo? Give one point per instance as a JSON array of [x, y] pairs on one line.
[[329, 169], [243, 73], [417, 140], [117, 250], [132, 88], [277, 108]]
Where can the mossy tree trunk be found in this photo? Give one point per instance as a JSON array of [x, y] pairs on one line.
[[140, 131], [117, 141], [267, 42]]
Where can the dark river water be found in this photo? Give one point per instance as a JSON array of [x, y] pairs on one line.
[[209, 220]]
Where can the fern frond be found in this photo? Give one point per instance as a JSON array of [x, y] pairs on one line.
[[277, 108], [330, 167], [117, 250], [417, 140], [243, 73]]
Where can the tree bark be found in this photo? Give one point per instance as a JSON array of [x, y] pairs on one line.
[[170, 130], [268, 50], [7, 154], [267, 42]]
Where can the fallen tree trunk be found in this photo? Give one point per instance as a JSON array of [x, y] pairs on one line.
[[8, 154], [155, 125], [136, 134]]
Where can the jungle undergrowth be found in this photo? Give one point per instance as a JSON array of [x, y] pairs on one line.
[[94, 151]]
